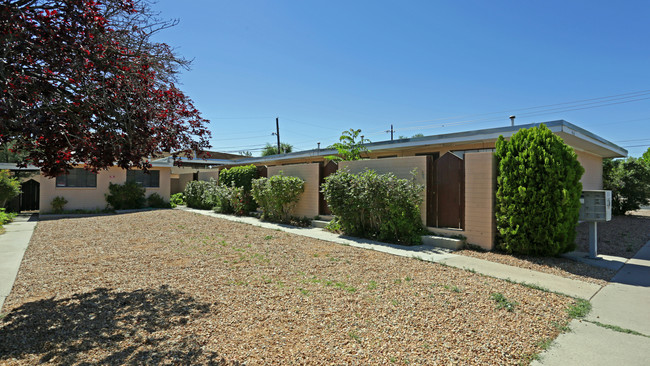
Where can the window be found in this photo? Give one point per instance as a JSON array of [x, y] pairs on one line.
[[150, 179], [77, 178]]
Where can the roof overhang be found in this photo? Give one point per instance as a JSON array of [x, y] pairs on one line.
[[572, 135]]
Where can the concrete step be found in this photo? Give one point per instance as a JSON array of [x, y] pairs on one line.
[[327, 218], [442, 242], [319, 223]]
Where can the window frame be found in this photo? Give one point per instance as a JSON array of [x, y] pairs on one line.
[[144, 179], [77, 178]]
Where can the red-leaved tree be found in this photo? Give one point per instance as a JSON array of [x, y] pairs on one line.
[[81, 81]]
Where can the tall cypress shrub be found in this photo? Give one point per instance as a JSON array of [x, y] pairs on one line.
[[538, 193]]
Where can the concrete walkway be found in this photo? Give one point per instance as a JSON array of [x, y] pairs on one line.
[[623, 303], [13, 244]]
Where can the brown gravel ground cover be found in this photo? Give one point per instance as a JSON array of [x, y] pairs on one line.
[[623, 236], [173, 287]]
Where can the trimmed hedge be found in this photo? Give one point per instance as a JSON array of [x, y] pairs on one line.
[[538, 193], [374, 206], [277, 196], [240, 176]]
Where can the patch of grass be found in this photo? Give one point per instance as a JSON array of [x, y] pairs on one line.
[[535, 287], [316, 255], [372, 285], [408, 279], [471, 270], [453, 288], [355, 336], [503, 302], [561, 327], [395, 302], [397, 281], [304, 292], [268, 237], [579, 309], [616, 328]]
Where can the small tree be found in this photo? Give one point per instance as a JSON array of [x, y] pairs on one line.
[[273, 149], [629, 181], [538, 193], [9, 187], [646, 156], [348, 147]]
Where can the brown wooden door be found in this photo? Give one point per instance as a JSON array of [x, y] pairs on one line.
[[450, 191], [326, 169]]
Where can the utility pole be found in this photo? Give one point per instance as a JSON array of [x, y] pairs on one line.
[[391, 132], [277, 133]]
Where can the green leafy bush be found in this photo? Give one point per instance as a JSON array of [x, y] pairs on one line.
[[129, 195], [222, 200], [58, 203], [201, 194], [240, 176], [9, 187], [157, 201], [277, 196], [629, 181], [6, 217], [538, 193], [177, 199], [375, 206]]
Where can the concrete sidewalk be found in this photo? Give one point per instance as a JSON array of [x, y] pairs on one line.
[[13, 244], [624, 304]]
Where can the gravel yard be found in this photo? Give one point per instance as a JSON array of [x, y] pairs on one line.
[[621, 237], [173, 287]]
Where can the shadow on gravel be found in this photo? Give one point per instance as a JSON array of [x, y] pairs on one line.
[[131, 327]]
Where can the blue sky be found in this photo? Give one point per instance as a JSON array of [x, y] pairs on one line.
[[428, 67]]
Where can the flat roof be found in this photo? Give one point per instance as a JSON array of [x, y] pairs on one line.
[[576, 137]]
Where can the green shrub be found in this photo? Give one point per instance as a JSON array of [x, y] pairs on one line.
[[157, 201], [222, 200], [277, 196], [58, 203], [240, 200], [6, 217], [380, 207], [177, 199], [240, 176], [9, 187], [201, 194], [129, 195], [538, 193], [629, 181]]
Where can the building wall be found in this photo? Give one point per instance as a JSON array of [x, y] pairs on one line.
[[93, 197], [480, 188], [593, 176], [401, 167], [310, 173]]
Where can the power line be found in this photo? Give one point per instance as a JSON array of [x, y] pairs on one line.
[[616, 96]]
